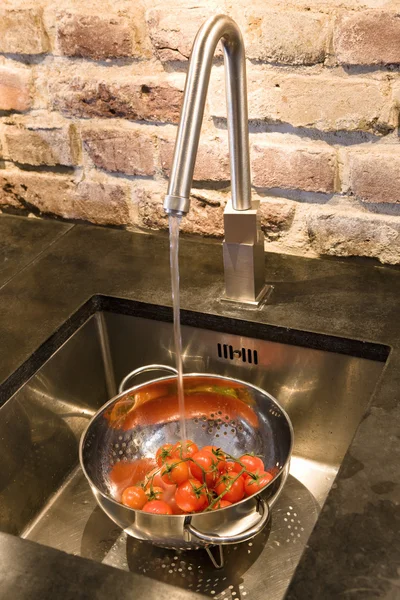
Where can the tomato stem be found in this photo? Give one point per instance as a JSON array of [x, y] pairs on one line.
[[227, 489]]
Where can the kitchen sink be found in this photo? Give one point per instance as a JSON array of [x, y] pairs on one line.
[[324, 383]]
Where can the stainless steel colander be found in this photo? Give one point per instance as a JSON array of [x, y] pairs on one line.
[[229, 413]]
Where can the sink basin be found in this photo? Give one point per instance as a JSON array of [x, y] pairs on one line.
[[324, 384]]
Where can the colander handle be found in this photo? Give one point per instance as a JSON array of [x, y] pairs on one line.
[[140, 370], [263, 509]]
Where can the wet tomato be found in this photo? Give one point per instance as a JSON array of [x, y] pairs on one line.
[[252, 486], [219, 456], [231, 485], [221, 504], [174, 470], [191, 496], [251, 463], [203, 466], [157, 507], [226, 466], [184, 449], [175, 508], [216, 451], [134, 497], [155, 493], [164, 452]]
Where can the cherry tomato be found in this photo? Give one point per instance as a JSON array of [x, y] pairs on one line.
[[157, 507], [252, 486], [231, 486], [154, 493], [251, 463], [134, 497], [164, 452], [175, 508], [203, 466], [191, 496], [221, 504], [184, 449], [227, 466], [218, 455], [215, 451], [174, 470]]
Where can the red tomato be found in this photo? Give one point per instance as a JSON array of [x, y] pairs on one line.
[[231, 486], [175, 508], [154, 493], [251, 463], [164, 452], [215, 451], [134, 497], [174, 470], [184, 449], [157, 507], [252, 486], [218, 455], [221, 504], [191, 496], [228, 466], [203, 467]]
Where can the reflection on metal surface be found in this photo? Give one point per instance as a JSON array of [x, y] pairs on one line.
[[325, 395], [252, 567]]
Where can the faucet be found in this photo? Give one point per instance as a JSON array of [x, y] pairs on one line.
[[243, 246]]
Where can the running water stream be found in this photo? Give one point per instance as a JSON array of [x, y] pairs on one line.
[[174, 222]]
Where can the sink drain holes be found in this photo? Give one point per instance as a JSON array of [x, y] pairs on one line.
[[246, 355]]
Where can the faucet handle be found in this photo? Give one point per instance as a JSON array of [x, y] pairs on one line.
[[242, 227], [244, 259]]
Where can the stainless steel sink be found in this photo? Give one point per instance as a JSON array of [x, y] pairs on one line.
[[44, 496]]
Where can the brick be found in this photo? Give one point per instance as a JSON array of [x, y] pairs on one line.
[[41, 145], [309, 167], [346, 233], [39, 192], [136, 98], [170, 40], [374, 175], [95, 36], [212, 161], [103, 203], [276, 216], [368, 37], [100, 203], [115, 149], [15, 89], [326, 103], [204, 218], [287, 37], [22, 32]]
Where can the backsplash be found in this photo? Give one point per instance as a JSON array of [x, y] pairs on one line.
[[90, 94]]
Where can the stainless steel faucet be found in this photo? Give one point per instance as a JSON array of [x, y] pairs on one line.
[[243, 247]]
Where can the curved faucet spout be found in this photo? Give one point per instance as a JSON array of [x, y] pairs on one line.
[[216, 28]]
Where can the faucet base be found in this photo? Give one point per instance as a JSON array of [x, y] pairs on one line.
[[261, 299]]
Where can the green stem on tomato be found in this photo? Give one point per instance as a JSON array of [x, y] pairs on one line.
[[227, 489], [236, 460]]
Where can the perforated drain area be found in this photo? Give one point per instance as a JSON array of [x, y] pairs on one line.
[[193, 569], [293, 525]]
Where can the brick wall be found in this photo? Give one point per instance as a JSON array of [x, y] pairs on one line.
[[90, 94]]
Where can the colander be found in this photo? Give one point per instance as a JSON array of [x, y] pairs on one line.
[[232, 414]]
